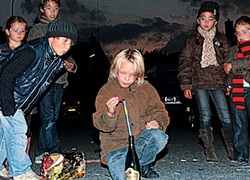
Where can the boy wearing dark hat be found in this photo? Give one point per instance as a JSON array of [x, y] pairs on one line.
[[210, 6], [50, 104], [25, 75], [201, 73]]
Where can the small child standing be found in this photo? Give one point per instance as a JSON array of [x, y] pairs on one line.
[[15, 31], [238, 67], [50, 104], [49, 10], [201, 73]]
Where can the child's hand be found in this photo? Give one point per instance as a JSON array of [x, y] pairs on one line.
[[188, 93], [152, 125], [111, 106], [227, 91], [227, 67], [69, 66]]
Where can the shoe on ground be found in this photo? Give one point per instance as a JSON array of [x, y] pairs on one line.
[[38, 159], [239, 163], [4, 173], [30, 175], [148, 171]]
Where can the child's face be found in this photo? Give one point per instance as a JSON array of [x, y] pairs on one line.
[[242, 32], [126, 75], [207, 21], [50, 10], [60, 45], [17, 32]]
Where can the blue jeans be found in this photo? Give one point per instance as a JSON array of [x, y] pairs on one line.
[[219, 100], [13, 142], [148, 145], [49, 109], [240, 127]]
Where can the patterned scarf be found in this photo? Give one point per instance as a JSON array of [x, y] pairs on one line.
[[238, 80], [208, 53], [44, 20]]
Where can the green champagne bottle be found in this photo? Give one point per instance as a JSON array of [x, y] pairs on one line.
[[132, 164]]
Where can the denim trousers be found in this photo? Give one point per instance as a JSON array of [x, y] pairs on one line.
[[240, 126], [13, 142], [148, 145], [49, 109], [219, 100]]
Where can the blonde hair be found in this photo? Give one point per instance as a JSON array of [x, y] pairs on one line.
[[133, 56]]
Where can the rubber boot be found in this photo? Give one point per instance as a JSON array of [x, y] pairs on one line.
[[208, 139], [228, 139]]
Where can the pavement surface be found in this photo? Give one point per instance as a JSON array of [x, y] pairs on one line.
[[182, 159]]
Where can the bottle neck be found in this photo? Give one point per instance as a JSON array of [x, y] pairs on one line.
[[131, 140]]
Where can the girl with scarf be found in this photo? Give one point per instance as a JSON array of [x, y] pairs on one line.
[[238, 67], [201, 74]]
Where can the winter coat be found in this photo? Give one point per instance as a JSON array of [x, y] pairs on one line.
[[4, 51], [240, 66], [143, 104], [39, 30], [26, 74], [191, 75]]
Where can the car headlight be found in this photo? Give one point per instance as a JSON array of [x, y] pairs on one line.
[[172, 100]]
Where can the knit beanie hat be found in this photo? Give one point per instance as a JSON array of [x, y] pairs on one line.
[[62, 28], [210, 6]]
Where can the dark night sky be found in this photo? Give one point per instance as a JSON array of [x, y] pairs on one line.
[[145, 24]]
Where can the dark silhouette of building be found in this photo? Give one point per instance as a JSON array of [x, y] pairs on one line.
[[229, 29]]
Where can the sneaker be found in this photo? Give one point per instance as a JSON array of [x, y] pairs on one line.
[[38, 159], [4, 173], [30, 175], [148, 171]]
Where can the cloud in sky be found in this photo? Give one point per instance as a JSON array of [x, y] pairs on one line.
[[144, 24]]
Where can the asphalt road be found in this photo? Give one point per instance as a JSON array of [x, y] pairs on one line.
[[182, 159]]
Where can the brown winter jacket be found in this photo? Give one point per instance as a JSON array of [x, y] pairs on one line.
[[143, 104], [191, 75]]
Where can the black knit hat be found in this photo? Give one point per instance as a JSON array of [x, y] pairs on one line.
[[62, 28], [210, 6]]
